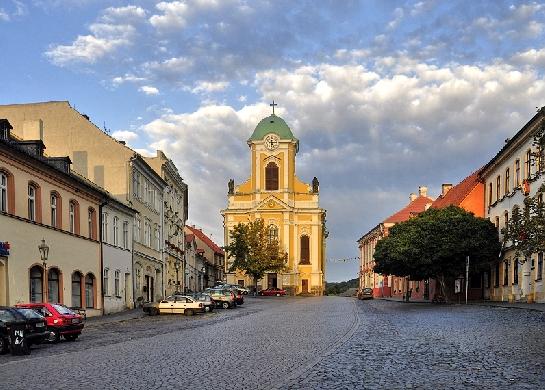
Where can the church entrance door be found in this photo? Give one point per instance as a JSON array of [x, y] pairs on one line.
[[272, 281], [304, 286]]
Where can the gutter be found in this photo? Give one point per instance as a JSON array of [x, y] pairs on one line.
[[102, 204]]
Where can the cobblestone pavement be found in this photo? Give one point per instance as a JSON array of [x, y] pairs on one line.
[[297, 343]]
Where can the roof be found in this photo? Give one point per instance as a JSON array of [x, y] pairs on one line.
[[189, 238], [417, 206], [456, 195], [204, 238], [272, 124]]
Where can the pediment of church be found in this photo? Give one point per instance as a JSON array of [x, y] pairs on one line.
[[271, 203]]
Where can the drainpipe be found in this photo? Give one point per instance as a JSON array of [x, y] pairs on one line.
[[99, 228]]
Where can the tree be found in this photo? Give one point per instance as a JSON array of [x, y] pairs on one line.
[[435, 244], [254, 251]]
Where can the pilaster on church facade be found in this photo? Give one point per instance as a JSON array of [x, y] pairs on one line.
[[287, 205]]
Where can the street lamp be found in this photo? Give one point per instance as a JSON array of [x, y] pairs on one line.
[[44, 252], [177, 267], [203, 270]]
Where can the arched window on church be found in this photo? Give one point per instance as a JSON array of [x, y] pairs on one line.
[[271, 177], [273, 233], [305, 250]]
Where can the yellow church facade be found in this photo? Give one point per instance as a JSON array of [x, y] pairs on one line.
[[288, 206]]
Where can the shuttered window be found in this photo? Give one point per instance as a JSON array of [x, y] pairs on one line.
[[271, 177], [305, 250]]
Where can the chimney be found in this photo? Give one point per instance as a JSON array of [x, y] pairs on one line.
[[412, 197], [5, 128], [423, 191], [33, 130], [445, 188]]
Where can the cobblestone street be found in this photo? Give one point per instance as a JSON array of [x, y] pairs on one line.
[[292, 343]]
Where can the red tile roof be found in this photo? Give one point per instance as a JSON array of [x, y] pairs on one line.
[[414, 208], [204, 238], [456, 195]]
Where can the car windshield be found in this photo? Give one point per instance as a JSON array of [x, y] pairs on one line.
[[63, 310], [29, 313], [6, 316]]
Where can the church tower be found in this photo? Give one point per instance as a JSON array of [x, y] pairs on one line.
[[288, 206]]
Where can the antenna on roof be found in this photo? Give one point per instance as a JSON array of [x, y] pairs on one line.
[[105, 129]]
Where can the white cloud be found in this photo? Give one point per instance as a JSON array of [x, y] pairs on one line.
[[4, 15], [173, 15], [149, 90], [125, 135], [531, 57], [170, 69], [127, 78], [204, 87], [127, 13]]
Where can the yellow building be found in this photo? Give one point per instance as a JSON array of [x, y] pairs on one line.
[[286, 204]]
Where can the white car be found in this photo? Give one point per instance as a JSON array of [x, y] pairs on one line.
[[176, 304]]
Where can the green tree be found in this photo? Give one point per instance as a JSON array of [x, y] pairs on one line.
[[253, 250], [435, 244]]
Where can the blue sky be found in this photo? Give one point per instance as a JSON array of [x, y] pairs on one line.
[[384, 96]]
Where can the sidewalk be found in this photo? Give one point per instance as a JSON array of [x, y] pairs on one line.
[[506, 305], [115, 317]]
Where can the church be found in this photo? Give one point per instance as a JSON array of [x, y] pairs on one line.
[[287, 205]]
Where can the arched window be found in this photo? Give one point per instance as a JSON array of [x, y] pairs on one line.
[[507, 186], [528, 164], [305, 250], [53, 286], [31, 202], [92, 223], [3, 192], [517, 173], [76, 289], [104, 230], [56, 210], [273, 233], [271, 177], [73, 211], [89, 291], [36, 284]]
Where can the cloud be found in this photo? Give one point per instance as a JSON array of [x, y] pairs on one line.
[[125, 135], [204, 87], [535, 57], [4, 15], [127, 78], [149, 90], [173, 15]]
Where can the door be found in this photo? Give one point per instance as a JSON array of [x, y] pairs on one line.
[[179, 305], [151, 290], [165, 307], [427, 289], [272, 281], [304, 286]]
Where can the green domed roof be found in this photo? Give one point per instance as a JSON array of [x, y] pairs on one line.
[[272, 124]]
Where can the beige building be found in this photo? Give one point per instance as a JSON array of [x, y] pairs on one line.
[[111, 165], [41, 199], [288, 206], [175, 217], [207, 267]]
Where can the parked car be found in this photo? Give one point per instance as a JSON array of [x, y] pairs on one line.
[[60, 320], [223, 297], [272, 291], [365, 293], [175, 304], [207, 301], [243, 290], [32, 326]]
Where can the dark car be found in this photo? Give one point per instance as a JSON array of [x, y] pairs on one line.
[[223, 297], [30, 325], [272, 291], [207, 301], [60, 320], [366, 293]]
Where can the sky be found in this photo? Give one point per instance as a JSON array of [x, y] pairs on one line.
[[384, 96]]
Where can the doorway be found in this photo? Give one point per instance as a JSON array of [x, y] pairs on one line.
[[304, 286], [149, 288], [426, 289], [272, 281]]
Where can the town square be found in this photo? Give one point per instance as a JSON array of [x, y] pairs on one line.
[[203, 194]]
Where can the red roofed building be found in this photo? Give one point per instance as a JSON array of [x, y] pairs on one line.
[[386, 285], [207, 267]]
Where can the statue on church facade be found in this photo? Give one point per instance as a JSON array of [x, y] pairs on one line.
[[315, 185], [231, 186]]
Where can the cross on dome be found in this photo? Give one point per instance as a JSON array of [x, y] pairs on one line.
[[273, 104]]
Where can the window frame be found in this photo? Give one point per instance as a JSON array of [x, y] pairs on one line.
[[32, 202], [116, 230], [125, 234], [105, 281], [272, 180], [517, 173], [507, 184], [302, 248], [498, 187], [4, 191]]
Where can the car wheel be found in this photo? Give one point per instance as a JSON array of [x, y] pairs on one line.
[[225, 305], [154, 311], [3, 345], [54, 336], [71, 337], [277, 295], [207, 309], [189, 312]]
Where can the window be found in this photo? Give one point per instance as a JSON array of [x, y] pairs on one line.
[[91, 222], [116, 231], [528, 164], [54, 210], [156, 237], [137, 228], [539, 270], [507, 185], [498, 224], [147, 232], [505, 272], [36, 284], [498, 187], [273, 233], [104, 231], [53, 291], [506, 218], [489, 194], [31, 202], [105, 283], [116, 283], [305, 250], [271, 177], [135, 183], [72, 217], [517, 173], [76, 290], [126, 235], [89, 291], [3, 192], [515, 271]]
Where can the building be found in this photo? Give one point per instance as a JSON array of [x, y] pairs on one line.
[[288, 206], [175, 217], [44, 204], [110, 164], [514, 173], [469, 195], [388, 285], [207, 267]]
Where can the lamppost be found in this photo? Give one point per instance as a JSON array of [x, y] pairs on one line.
[[177, 267], [203, 270], [44, 252]]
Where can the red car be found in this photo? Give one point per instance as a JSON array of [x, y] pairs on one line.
[[60, 320], [272, 291]]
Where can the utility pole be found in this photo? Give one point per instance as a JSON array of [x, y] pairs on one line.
[[467, 275]]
